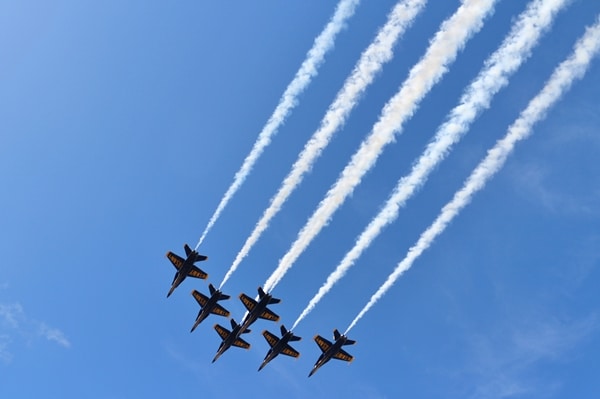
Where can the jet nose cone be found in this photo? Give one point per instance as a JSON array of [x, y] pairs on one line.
[[217, 356]]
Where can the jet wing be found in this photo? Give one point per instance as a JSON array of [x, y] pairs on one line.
[[196, 272], [343, 355], [289, 351], [240, 343], [271, 338], [201, 299], [222, 331], [176, 260], [219, 310], [248, 302], [322, 342], [269, 315]]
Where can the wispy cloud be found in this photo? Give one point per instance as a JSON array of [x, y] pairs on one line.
[[5, 355], [54, 334], [16, 325], [563, 76], [442, 51], [308, 70], [515, 48], [534, 182], [370, 63], [503, 363], [11, 314]]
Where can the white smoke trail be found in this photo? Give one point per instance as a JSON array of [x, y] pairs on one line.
[[515, 48], [442, 51], [321, 46], [560, 81], [371, 61]]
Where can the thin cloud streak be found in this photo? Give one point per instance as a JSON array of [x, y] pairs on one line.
[[371, 61], [54, 334], [563, 76], [309, 69], [515, 48], [15, 325], [11, 314], [442, 51]]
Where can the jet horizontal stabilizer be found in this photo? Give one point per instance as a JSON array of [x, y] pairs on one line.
[[273, 301], [292, 336], [222, 297]]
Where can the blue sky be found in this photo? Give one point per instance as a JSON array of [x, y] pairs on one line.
[[122, 126]]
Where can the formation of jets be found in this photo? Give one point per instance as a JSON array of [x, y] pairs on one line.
[[257, 309]]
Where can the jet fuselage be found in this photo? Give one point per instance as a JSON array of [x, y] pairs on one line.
[[253, 315], [326, 356], [227, 342], [207, 309], [276, 350]]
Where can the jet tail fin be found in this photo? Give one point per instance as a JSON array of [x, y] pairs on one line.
[[337, 335], [234, 325], [261, 292], [188, 250], [213, 290], [292, 336]]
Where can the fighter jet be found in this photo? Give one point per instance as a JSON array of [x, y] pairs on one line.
[[334, 350], [258, 309], [230, 338], [185, 267], [279, 345], [209, 305]]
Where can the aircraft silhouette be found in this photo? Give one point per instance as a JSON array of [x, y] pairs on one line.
[[279, 345], [185, 267], [332, 350]]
